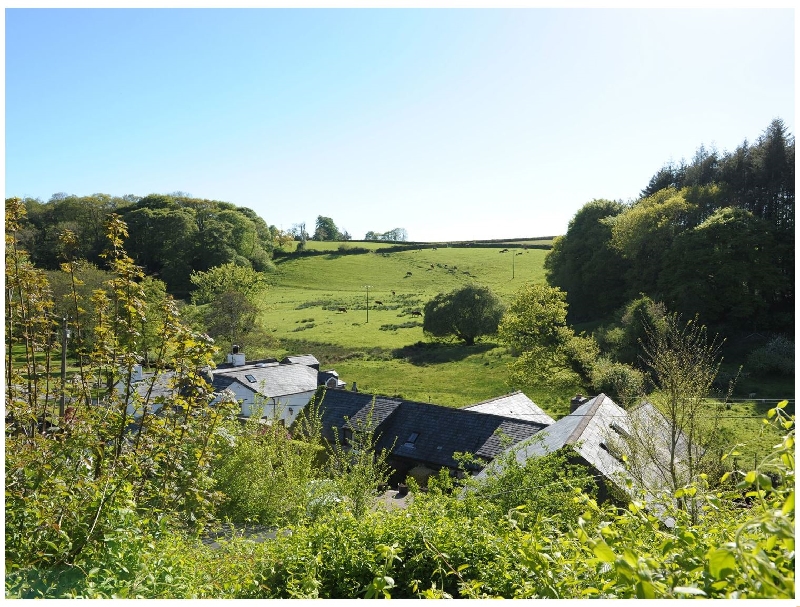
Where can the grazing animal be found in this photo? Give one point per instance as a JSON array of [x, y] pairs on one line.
[[435, 249], [408, 274], [392, 292], [342, 309], [504, 250], [416, 313], [379, 303], [432, 266]]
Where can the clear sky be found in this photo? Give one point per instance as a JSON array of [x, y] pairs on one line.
[[450, 123]]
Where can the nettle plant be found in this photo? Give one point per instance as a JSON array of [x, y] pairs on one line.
[[85, 478]]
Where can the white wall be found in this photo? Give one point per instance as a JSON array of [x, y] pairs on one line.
[[274, 408]]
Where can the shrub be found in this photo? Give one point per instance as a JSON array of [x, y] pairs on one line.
[[775, 358], [621, 382]]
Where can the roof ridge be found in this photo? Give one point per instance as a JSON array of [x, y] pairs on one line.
[[491, 400], [585, 419]]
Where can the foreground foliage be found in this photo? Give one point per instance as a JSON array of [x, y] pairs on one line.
[[467, 546]]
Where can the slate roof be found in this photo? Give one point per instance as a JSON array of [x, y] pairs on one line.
[[441, 431], [515, 405], [308, 360], [597, 431], [337, 405], [587, 429], [270, 379]]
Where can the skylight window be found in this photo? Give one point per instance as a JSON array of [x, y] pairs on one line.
[[411, 440], [250, 378]]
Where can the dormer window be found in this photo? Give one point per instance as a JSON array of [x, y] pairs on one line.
[[250, 378], [411, 440]]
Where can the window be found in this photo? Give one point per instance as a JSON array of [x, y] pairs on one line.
[[250, 378], [411, 440]]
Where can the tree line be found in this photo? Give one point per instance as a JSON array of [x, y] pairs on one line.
[[713, 237], [170, 235]]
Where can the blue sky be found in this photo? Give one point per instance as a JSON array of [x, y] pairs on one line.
[[452, 124]]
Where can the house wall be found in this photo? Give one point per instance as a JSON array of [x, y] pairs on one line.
[[274, 408]]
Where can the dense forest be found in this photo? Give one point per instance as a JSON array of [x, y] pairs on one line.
[[714, 237]]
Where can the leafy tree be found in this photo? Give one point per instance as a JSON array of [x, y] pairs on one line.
[[326, 229], [622, 339], [233, 318], [466, 313], [585, 265], [684, 364], [227, 278], [395, 235], [645, 232], [83, 484], [725, 269], [535, 327]]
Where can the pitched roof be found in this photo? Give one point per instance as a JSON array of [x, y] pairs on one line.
[[587, 429], [515, 405], [268, 379], [440, 431], [308, 360], [443, 431], [339, 406]]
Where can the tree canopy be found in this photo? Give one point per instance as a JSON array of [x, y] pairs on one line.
[[169, 235], [466, 313], [714, 237]]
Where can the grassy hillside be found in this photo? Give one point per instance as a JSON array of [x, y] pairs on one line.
[[383, 354], [383, 349]]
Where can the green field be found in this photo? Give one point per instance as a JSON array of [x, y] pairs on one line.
[[383, 348], [380, 353]]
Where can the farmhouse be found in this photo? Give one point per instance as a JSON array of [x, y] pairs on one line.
[[272, 390], [275, 391], [420, 434]]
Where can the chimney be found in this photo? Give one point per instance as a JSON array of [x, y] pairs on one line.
[[235, 357], [576, 401], [355, 387]]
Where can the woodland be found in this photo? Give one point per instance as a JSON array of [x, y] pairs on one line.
[[638, 300]]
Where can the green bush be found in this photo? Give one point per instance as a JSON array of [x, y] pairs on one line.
[[621, 382], [775, 358]]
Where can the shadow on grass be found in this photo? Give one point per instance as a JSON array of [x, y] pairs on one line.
[[431, 353]]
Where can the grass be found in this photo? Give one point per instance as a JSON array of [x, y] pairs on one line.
[[387, 353], [383, 349]]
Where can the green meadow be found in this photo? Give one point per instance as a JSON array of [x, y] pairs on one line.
[[378, 343]]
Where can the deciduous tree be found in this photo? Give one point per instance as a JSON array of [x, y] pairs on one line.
[[466, 313]]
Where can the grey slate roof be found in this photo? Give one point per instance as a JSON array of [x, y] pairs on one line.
[[515, 405], [271, 379], [441, 431], [588, 429], [308, 360], [337, 405]]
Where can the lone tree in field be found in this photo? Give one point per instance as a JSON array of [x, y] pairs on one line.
[[466, 313]]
